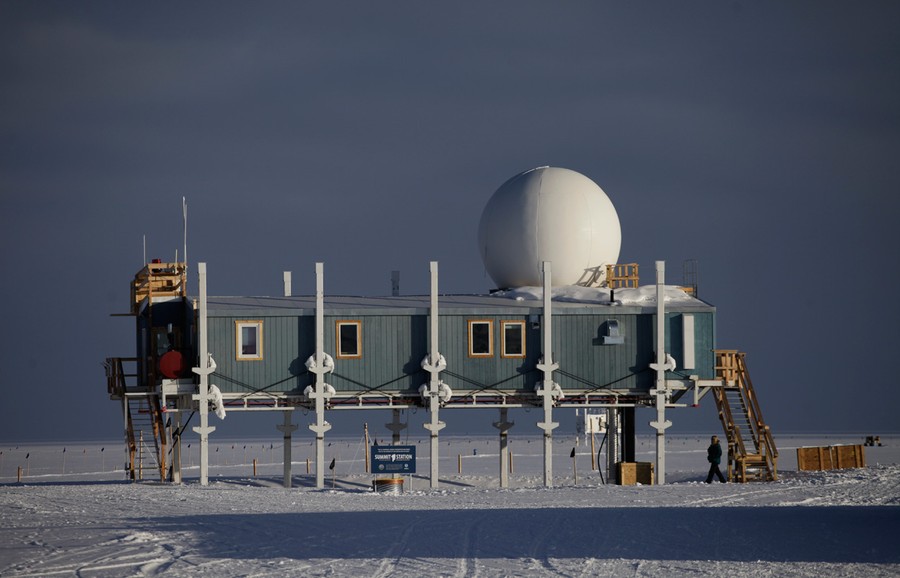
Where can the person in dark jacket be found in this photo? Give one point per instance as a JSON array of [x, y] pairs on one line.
[[714, 457]]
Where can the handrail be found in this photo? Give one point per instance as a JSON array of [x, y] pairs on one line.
[[116, 377], [736, 442], [731, 368], [763, 433]]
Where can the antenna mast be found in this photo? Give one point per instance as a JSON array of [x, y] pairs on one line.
[[184, 222]]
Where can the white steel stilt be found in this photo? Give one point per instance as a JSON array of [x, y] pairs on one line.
[[319, 395], [176, 443], [433, 367], [547, 366], [287, 428], [660, 424], [504, 426], [203, 370]]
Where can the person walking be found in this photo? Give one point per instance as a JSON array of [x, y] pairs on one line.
[[714, 457]]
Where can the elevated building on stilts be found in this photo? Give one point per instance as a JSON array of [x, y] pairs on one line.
[[567, 327]]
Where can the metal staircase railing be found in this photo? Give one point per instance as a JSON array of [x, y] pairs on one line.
[[752, 454]]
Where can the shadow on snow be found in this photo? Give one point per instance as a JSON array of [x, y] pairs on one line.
[[777, 534]]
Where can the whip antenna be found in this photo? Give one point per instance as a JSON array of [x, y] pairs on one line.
[[184, 222]]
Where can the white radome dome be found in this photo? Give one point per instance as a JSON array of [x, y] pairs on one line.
[[549, 214]]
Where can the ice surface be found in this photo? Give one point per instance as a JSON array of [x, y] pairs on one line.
[[73, 515]]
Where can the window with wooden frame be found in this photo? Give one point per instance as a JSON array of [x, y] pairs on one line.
[[481, 338], [248, 337], [512, 337], [348, 336]]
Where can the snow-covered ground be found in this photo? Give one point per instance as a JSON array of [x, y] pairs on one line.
[[73, 514]]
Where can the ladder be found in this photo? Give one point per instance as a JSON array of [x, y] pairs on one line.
[[752, 454]]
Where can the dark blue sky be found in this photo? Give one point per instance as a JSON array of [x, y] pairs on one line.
[[760, 138]]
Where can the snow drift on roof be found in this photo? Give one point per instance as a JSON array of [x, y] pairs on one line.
[[645, 295]]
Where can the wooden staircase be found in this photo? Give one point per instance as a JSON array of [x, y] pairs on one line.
[[752, 454], [145, 427], [144, 420]]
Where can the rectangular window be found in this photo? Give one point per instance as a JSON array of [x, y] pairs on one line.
[[513, 333], [349, 339], [248, 340], [481, 338]]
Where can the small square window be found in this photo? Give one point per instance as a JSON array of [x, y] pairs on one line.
[[513, 337], [481, 338], [349, 339], [248, 340]]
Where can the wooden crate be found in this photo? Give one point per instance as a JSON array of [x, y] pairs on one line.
[[849, 456], [830, 458], [631, 473], [814, 459]]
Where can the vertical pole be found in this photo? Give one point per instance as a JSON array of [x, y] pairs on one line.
[[184, 226], [366, 434], [503, 425], [287, 428], [594, 465], [395, 283], [434, 384], [321, 426], [660, 390], [176, 443], [129, 457], [286, 276], [628, 434], [612, 444], [203, 370], [547, 367], [575, 465]]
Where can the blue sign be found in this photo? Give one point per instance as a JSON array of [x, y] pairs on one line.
[[393, 460]]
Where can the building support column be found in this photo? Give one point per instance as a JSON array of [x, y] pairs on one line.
[[287, 428], [660, 424], [395, 426], [319, 393], [176, 442], [203, 370], [612, 445], [548, 390], [628, 435], [504, 426], [434, 367], [129, 461]]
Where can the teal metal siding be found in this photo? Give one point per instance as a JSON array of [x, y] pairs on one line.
[[592, 364], [704, 344], [282, 367], [466, 373], [393, 346]]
